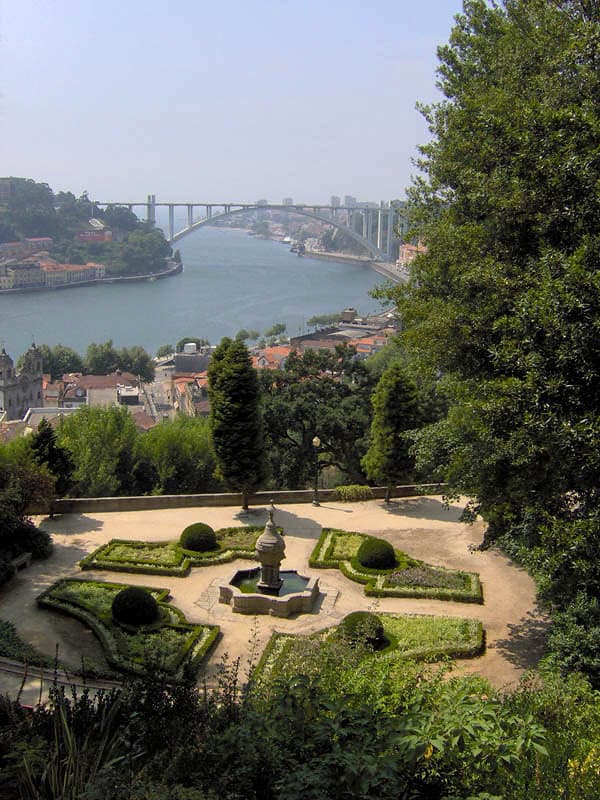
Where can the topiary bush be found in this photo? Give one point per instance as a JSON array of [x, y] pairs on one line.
[[362, 628], [198, 537], [353, 493], [376, 554], [134, 606]]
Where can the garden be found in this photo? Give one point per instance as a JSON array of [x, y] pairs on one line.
[[386, 572]]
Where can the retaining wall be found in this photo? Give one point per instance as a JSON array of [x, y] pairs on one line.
[[82, 505]]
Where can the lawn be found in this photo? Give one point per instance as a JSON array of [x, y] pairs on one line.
[[171, 646], [410, 636], [169, 558]]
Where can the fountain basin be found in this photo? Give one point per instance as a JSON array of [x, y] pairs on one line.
[[296, 595]]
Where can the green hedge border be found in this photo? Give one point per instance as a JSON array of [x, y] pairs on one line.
[[189, 558], [284, 641], [374, 580], [201, 637]]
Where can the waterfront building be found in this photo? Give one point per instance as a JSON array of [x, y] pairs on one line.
[[20, 390], [25, 274]]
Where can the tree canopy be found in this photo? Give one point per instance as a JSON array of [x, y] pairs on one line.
[[505, 304]]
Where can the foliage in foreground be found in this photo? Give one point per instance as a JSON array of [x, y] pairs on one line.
[[384, 731], [504, 307]]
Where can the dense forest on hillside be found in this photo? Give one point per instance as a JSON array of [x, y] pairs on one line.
[[34, 210]]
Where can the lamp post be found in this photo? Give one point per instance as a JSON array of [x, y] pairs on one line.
[[316, 443]]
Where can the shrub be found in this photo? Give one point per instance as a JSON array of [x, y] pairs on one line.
[[35, 541], [376, 554], [353, 493], [6, 570], [363, 628], [199, 537], [134, 606]]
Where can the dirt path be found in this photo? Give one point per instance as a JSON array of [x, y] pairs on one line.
[[422, 527]]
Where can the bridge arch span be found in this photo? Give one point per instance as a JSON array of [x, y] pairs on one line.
[[371, 248]]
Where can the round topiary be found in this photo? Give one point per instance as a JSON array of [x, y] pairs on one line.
[[363, 628], [376, 554], [198, 537], [135, 606]]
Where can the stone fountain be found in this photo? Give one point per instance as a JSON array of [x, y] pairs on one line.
[[266, 589]]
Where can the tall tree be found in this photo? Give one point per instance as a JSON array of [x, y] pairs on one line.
[[316, 393], [506, 302], [395, 411], [46, 450], [236, 418]]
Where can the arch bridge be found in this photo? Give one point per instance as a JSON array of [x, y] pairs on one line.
[[378, 228]]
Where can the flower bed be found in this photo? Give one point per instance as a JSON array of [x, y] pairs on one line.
[[337, 549], [410, 636], [171, 645], [169, 558]]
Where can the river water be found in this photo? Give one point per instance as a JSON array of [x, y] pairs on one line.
[[230, 281]]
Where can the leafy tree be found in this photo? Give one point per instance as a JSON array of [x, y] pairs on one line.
[[395, 411], [57, 360], [276, 330], [22, 483], [244, 334], [322, 320], [57, 459], [101, 359], [101, 443], [176, 457], [165, 350], [120, 218], [505, 303], [137, 361], [236, 418], [316, 393], [198, 342]]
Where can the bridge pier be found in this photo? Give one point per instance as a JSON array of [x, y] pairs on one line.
[[190, 215], [171, 220], [151, 209]]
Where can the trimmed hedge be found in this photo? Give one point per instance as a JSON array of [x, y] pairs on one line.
[[171, 645], [376, 554], [353, 493], [134, 606], [198, 537], [388, 583], [230, 543], [363, 628]]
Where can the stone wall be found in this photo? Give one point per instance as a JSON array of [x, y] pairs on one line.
[[86, 505]]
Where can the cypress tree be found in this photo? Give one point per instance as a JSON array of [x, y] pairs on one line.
[[396, 410], [236, 418]]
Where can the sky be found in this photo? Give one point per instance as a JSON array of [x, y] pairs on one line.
[[218, 100]]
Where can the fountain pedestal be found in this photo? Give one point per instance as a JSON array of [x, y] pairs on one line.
[[281, 597], [270, 549]]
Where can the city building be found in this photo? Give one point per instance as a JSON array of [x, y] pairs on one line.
[[20, 390]]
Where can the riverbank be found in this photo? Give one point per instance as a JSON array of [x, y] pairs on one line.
[[174, 269]]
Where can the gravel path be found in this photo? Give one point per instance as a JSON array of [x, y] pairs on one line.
[[422, 527]]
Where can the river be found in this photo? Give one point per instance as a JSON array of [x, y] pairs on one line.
[[230, 281]]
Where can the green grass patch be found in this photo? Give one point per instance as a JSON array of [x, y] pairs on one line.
[[12, 646], [411, 636], [169, 558], [337, 549], [171, 646]]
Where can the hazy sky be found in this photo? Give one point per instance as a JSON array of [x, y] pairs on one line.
[[214, 100]]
